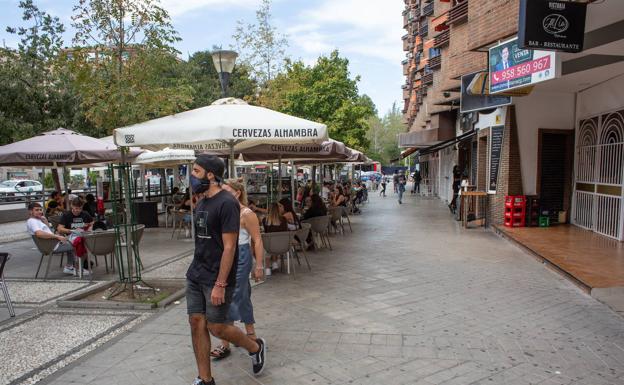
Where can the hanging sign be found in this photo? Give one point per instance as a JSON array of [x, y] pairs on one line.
[[552, 25], [496, 149], [513, 67]]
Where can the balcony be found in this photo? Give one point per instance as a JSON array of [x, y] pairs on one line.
[[405, 42], [405, 67], [424, 29], [420, 47], [405, 19], [435, 62], [459, 13], [427, 79], [442, 39], [406, 93], [428, 9]]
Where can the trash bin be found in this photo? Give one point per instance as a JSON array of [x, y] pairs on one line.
[[146, 213]]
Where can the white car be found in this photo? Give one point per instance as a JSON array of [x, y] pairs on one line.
[[13, 189]]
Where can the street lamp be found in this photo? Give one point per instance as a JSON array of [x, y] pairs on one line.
[[224, 61]]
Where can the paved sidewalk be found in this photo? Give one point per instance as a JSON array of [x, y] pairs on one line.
[[409, 298]]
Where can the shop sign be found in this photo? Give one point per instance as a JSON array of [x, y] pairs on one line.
[[496, 149], [480, 100], [552, 25], [513, 67]]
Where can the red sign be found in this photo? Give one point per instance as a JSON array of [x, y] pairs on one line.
[[521, 70]]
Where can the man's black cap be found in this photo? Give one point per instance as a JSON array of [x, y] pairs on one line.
[[211, 163]]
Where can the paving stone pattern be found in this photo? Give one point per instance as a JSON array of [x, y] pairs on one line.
[[408, 298], [39, 292]]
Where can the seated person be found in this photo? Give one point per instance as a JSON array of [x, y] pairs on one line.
[[274, 221], [54, 197], [258, 210], [317, 208], [39, 226], [90, 207], [53, 209], [288, 212], [74, 222]]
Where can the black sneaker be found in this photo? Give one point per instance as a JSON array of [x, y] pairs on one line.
[[199, 381], [258, 359]]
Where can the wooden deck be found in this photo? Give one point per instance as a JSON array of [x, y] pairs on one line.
[[592, 260]]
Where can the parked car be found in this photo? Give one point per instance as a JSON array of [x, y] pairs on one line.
[[15, 189]]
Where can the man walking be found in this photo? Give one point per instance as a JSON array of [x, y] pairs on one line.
[[395, 181], [211, 278], [402, 181]]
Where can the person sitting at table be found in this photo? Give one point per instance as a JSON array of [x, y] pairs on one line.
[[253, 207], [73, 223], [37, 225], [53, 209], [288, 212], [273, 223], [340, 199], [317, 207], [54, 197], [90, 206]]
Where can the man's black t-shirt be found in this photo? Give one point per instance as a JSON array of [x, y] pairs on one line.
[[73, 222], [213, 217]]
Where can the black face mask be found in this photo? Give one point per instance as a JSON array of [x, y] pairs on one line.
[[199, 185]]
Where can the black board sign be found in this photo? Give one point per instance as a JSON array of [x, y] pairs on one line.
[[496, 149], [552, 25]]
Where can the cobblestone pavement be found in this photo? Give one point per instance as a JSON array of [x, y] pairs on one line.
[[408, 298]]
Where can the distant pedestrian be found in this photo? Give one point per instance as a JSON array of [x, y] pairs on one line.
[[395, 181], [455, 186], [384, 183], [417, 179], [402, 181]]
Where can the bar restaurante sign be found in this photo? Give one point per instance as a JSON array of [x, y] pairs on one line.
[[552, 25]]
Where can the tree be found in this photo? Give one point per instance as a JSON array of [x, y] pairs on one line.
[[125, 66], [383, 135], [32, 99], [202, 74], [324, 93], [262, 49]]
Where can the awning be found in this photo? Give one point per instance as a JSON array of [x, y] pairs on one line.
[[446, 143]]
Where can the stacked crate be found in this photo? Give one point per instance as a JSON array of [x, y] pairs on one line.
[[515, 211]]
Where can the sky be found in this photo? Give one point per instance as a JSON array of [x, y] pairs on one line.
[[367, 32]]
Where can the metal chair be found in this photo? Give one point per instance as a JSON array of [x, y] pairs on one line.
[[279, 243], [178, 222], [302, 242], [102, 243], [46, 248], [336, 218], [137, 235], [320, 228], [4, 257], [345, 214]]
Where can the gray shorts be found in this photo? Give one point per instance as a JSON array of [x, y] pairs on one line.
[[198, 302]]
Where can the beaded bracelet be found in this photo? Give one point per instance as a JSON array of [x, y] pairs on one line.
[[221, 284]]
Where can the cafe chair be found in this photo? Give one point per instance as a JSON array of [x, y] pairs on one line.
[[4, 257], [280, 244], [336, 219], [46, 248], [102, 243], [320, 229], [301, 243]]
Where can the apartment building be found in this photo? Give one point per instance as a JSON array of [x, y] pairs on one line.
[[562, 139]]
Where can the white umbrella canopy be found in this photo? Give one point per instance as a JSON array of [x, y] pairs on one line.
[[165, 158], [227, 124], [328, 151]]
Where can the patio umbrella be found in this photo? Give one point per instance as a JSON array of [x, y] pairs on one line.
[[330, 150], [60, 147], [227, 124], [165, 158]]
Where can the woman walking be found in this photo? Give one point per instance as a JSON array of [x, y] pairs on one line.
[[249, 247]]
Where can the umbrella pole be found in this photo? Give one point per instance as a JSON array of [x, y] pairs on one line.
[[279, 177], [293, 175], [232, 171], [188, 183], [143, 184]]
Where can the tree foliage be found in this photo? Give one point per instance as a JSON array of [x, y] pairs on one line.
[[325, 93], [202, 74], [124, 65], [32, 97], [382, 135], [261, 48]]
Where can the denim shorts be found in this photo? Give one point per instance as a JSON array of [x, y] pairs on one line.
[[198, 302], [241, 308]]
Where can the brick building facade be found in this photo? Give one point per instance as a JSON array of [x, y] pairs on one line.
[[447, 39]]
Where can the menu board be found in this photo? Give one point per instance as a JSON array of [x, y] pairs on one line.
[[496, 149]]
